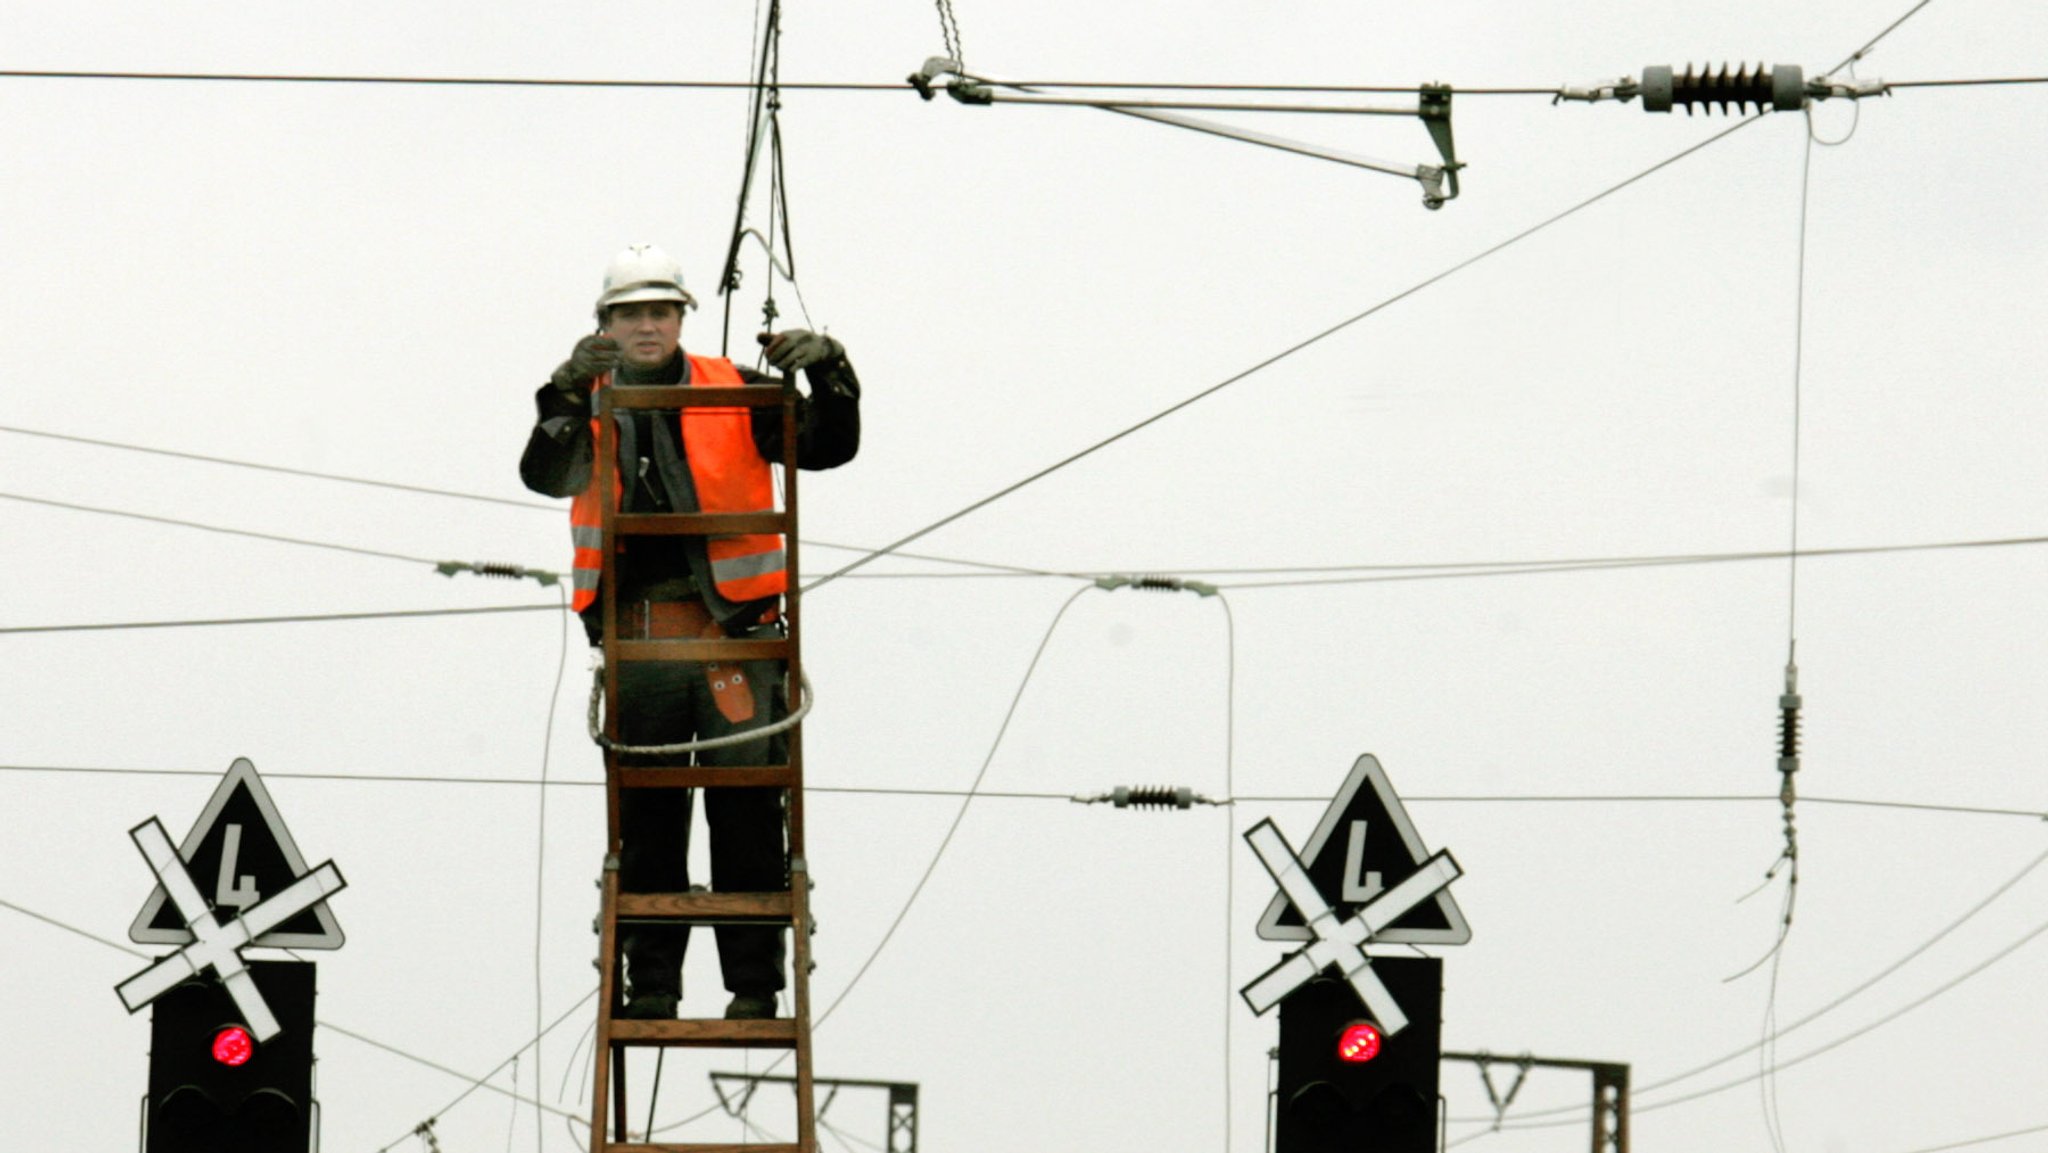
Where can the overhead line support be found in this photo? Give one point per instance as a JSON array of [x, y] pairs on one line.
[[1439, 181]]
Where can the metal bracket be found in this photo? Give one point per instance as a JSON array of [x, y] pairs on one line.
[[1434, 107]]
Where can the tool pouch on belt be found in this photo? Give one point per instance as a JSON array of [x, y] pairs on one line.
[[663, 620]]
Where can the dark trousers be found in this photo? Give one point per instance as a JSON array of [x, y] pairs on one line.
[[664, 702]]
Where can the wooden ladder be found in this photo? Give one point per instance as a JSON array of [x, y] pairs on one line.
[[788, 909]]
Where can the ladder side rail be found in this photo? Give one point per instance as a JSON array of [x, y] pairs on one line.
[[799, 873], [604, 468]]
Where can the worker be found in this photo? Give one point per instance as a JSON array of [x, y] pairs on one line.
[[705, 460]]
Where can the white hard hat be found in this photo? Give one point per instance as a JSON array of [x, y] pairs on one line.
[[643, 272]]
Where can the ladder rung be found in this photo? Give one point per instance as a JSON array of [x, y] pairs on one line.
[[695, 395], [707, 776], [617, 1148], [698, 523], [715, 1034], [774, 649], [704, 906]]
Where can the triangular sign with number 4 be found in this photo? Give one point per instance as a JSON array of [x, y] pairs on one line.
[[1365, 845], [238, 853]]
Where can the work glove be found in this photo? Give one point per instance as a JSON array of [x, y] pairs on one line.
[[593, 354], [799, 349]]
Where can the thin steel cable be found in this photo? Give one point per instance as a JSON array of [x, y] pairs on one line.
[[756, 132], [1986, 1140], [1363, 89], [1879, 1023], [938, 854], [309, 474], [555, 508], [1283, 354], [1229, 849], [437, 81], [512, 1118], [893, 87], [1810, 1054], [540, 855], [1941, 934], [1067, 798], [1386, 572], [966, 801], [1767, 1054], [1579, 1111], [214, 528], [475, 1083], [302, 618], [55, 923], [1798, 395], [1986, 81], [1492, 569], [1860, 53]]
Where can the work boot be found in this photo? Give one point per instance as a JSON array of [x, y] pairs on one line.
[[651, 1007], [751, 1007]]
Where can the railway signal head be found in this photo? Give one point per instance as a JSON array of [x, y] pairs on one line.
[[213, 1086], [1345, 1083]]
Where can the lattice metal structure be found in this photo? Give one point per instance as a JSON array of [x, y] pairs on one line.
[[1610, 1092], [902, 1131]]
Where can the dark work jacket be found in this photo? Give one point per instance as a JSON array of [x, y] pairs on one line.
[[655, 473]]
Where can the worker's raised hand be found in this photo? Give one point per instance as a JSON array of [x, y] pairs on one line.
[[594, 354], [799, 349]]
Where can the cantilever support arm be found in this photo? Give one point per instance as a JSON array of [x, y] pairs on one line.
[[1439, 182]]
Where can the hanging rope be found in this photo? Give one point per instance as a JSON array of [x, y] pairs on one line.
[[949, 28], [764, 130]]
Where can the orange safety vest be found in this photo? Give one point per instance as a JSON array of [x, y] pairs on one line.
[[729, 476]]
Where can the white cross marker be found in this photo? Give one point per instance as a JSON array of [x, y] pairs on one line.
[[1338, 942], [215, 945]]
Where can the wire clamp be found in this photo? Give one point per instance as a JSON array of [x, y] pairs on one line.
[[1850, 89], [961, 87], [1622, 88], [1434, 108]]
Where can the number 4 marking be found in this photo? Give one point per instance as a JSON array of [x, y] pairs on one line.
[[1357, 887], [243, 894]]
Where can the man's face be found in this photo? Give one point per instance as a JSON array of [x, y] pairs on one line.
[[648, 331]]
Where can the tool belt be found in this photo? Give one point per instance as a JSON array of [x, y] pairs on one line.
[[668, 620]]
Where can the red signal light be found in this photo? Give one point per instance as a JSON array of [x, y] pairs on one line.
[[1359, 1043], [233, 1046]]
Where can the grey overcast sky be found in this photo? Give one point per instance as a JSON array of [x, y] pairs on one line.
[[371, 280]]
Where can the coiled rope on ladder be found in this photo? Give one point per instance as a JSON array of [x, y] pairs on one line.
[[596, 719]]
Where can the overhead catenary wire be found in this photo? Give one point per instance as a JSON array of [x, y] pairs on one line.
[[889, 87], [1397, 571], [553, 508], [178, 522], [1068, 798], [1941, 934], [1984, 1140], [540, 855], [1873, 42], [938, 853], [1283, 354], [1778, 1066], [299, 618], [475, 1082]]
